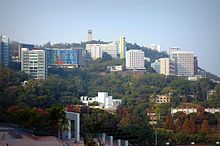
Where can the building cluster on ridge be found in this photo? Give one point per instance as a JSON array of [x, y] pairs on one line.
[[36, 61]]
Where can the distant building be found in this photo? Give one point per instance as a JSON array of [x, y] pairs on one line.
[[103, 100], [95, 51], [210, 93], [115, 68], [89, 35], [122, 47], [154, 47], [167, 66], [173, 50], [33, 62], [67, 58], [153, 116], [147, 59], [20, 46], [184, 62], [135, 60], [195, 65], [161, 99], [156, 66], [4, 50], [189, 110], [202, 73], [194, 78]]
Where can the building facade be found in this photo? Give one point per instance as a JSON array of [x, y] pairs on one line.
[[167, 66], [95, 51], [4, 50], [67, 58], [122, 47], [156, 66], [135, 60], [154, 47], [185, 64], [20, 46], [195, 65], [33, 62]]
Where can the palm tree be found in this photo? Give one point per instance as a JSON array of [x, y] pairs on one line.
[[57, 119]]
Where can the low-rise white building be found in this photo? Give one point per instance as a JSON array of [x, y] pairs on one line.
[[189, 110], [103, 100], [115, 68]]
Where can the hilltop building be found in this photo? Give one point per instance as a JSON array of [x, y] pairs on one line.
[[122, 47], [95, 51], [20, 46], [89, 35], [65, 58], [186, 64], [154, 47], [135, 60], [4, 50], [161, 99], [33, 62], [115, 68], [167, 66], [103, 100], [156, 66]]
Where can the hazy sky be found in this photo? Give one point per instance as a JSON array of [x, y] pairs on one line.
[[192, 25]]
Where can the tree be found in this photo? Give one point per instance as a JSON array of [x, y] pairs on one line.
[[169, 124], [192, 124], [186, 127], [205, 128], [177, 126], [57, 119]]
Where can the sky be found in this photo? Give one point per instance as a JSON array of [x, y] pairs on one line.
[[192, 25]]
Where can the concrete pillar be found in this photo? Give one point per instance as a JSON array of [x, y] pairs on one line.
[[69, 129], [126, 142], [77, 127], [111, 140], [103, 138], [119, 142]]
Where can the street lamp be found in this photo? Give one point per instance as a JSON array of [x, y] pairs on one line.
[[167, 143], [217, 142], [192, 143]]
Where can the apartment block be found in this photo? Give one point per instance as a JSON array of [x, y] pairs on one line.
[[33, 62]]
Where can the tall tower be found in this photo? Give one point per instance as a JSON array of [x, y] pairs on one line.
[[4, 50], [89, 35], [122, 47]]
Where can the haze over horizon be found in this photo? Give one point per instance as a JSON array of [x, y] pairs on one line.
[[192, 25]]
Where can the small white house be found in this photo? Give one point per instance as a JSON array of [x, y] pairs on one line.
[[103, 100]]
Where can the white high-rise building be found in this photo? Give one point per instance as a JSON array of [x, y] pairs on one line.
[[167, 66], [135, 60], [184, 62], [95, 51], [33, 62], [154, 47], [111, 49]]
